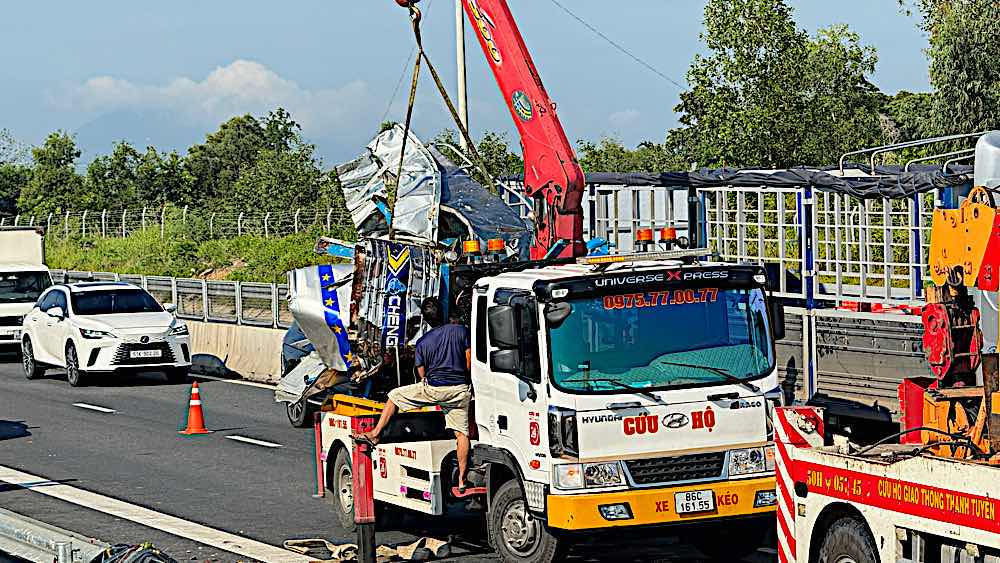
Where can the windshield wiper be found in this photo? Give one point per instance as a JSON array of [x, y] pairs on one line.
[[625, 386], [728, 376]]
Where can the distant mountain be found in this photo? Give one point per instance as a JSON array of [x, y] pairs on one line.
[[140, 128]]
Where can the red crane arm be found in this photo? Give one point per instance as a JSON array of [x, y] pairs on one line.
[[552, 175]]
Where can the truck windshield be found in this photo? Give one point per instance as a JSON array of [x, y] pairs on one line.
[[656, 340], [115, 301], [23, 287]]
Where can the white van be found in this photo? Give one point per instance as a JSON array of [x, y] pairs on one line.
[[23, 278]]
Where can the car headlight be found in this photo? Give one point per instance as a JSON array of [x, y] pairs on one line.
[[603, 474], [568, 476], [95, 334], [580, 475], [179, 330], [746, 461]]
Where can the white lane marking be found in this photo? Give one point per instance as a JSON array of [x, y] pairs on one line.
[[235, 381], [254, 441], [170, 524], [97, 408]]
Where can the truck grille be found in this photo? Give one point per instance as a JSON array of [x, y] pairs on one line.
[[123, 354], [10, 321], [678, 468]]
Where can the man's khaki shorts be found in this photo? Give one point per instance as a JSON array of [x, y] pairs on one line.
[[453, 400]]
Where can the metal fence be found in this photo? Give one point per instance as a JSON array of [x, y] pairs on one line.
[[243, 303], [124, 222]]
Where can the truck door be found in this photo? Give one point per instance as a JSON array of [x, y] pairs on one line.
[[513, 376]]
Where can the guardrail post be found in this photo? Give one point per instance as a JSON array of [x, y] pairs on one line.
[[66, 225], [17, 219], [173, 293], [48, 223], [329, 215], [104, 223], [211, 226], [144, 217], [184, 216], [267, 219], [274, 305], [31, 221], [163, 220], [204, 300], [239, 225], [297, 211], [238, 288], [124, 218], [83, 224]]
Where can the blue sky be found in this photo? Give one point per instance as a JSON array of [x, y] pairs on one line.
[[167, 73]]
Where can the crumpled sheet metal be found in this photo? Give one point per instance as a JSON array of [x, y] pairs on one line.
[[317, 303]]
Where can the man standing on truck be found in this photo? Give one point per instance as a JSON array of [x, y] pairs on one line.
[[443, 361]]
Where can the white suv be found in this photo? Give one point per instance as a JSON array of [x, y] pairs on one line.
[[103, 328]]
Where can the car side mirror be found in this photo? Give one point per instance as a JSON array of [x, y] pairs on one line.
[[56, 313], [776, 311], [170, 308], [503, 327], [505, 361]]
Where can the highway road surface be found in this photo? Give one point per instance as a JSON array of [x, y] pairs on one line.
[[106, 461]]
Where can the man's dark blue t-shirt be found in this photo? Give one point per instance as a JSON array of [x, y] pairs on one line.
[[441, 352]]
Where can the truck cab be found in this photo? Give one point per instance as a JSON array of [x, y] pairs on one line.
[[610, 392]]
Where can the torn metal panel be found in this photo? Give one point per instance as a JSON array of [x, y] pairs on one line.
[[319, 298]]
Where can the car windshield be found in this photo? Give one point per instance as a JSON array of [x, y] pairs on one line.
[[676, 338], [23, 287], [114, 301]]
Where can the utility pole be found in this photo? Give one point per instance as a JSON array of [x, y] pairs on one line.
[[463, 96]]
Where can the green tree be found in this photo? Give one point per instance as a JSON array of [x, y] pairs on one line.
[[908, 116], [13, 179], [12, 151], [282, 180], [610, 155], [766, 94], [217, 164], [162, 178], [54, 184], [111, 181]]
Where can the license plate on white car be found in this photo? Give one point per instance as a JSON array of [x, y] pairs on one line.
[[145, 354], [694, 501], [10, 333]]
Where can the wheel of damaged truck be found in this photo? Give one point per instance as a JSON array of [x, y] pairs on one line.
[[31, 368], [341, 490], [743, 538], [300, 413], [848, 540], [74, 375], [515, 534]]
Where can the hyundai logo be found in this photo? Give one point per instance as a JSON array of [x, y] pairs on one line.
[[144, 339], [675, 420]]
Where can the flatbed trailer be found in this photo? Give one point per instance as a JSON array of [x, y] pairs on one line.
[[888, 503]]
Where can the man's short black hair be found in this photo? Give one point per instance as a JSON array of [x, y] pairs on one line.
[[430, 308]]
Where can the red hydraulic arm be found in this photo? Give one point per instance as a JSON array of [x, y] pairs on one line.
[[553, 178], [552, 175]]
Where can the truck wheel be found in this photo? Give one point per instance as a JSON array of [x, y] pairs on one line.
[[31, 368], [74, 375], [300, 413], [515, 534], [848, 541], [742, 539], [341, 490]]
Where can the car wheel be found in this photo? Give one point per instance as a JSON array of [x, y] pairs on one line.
[[31, 368], [300, 413], [74, 375], [340, 490], [516, 535], [177, 376]]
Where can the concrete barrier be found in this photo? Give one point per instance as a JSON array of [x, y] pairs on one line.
[[252, 353]]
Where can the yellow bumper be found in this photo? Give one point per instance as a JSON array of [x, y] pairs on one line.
[[656, 506]]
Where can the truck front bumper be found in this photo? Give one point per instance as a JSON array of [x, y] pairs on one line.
[[656, 506]]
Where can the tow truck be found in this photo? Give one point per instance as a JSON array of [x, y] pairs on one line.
[[611, 391], [930, 493]]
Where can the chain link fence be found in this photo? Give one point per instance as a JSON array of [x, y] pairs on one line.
[[242, 303], [197, 223]]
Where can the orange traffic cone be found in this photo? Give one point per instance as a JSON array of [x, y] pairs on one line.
[[195, 418]]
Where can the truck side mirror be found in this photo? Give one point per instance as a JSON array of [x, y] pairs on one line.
[[505, 361], [503, 327], [777, 313]]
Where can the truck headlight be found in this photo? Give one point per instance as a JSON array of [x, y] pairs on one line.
[[746, 461], [94, 334], [568, 476], [178, 330], [602, 474]]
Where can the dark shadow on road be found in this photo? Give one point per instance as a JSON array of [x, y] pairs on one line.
[[10, 429], [7, 487], [9, 358]]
